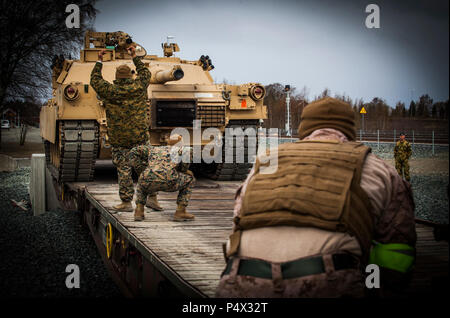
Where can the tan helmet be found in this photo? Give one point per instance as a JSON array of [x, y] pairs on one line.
[[328, 112], [123, 71]]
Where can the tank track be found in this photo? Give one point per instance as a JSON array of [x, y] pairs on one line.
[[79, 148], [233, 171]]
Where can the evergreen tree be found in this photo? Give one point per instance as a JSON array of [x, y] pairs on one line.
[[423, 106], [399, 109], [433, 111], [412, 109], [442, 112]]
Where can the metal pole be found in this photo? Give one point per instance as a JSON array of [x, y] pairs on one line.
[[360, 135], [432, 141], [395, 133], [288, 123], [378, 138], [362, 122], [413, 138]]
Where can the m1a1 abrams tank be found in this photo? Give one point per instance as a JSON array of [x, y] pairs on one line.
[[73, 123]]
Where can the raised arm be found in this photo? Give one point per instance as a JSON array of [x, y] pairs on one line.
[[102, 87], [142, 71]]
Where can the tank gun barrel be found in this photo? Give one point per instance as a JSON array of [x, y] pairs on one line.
[[162, 76]]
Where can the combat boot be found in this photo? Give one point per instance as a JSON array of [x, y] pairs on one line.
[[182, 215], [139, 212], [152, 203], [124, 207]]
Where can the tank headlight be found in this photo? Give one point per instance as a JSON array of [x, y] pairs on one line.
[[257, 92], [71, 93]]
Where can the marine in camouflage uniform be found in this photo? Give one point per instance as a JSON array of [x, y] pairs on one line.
[[282, 244], [125, 102], [163, 174], [402, 153]]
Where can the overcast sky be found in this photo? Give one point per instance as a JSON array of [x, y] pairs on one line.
[[317, 44]]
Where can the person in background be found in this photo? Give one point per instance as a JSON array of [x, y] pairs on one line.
[[402, 153]]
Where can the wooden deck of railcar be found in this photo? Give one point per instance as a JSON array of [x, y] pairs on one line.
[[189, 254]]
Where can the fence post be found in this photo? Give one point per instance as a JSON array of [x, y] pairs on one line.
[[37, 183], [378, 138], [432, 141], [413, 138], [395, 133]]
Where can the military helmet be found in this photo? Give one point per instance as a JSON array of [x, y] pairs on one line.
[[174, 139], [123, 71]]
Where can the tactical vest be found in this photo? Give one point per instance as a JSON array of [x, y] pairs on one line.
[[317, 184]]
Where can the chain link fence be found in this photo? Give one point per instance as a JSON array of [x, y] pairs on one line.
[[427, 142]]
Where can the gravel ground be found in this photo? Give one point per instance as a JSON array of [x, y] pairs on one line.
[[431, 197], [34, 251], [429, 178], [419, 151]]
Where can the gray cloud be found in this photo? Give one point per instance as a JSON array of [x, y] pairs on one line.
[[316, 44]]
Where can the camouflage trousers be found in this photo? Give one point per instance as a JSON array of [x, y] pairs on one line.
[[149, 184], [330, 284], [403, 166], [120, 158]]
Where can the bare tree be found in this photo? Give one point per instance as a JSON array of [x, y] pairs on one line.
[[379, 113], [325, 93], [275, 101], [32, 33]]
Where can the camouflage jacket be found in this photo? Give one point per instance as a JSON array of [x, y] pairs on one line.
[[402, 150], [161, 159], [126, 105]]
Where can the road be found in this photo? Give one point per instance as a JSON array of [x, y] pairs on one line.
[[10, 143]]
